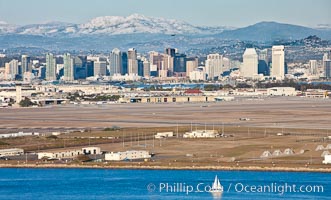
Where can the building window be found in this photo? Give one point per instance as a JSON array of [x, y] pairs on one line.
[[165, 100], [188, 99], [174, 99], [148, 100]]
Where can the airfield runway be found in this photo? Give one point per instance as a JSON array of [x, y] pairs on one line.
[[277, 112]]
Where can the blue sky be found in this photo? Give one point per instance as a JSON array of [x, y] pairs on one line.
[[236, 13]]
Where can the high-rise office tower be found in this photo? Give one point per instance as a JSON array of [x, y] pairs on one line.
[[80, 67], [263, 66], [249, 67], [278, 62], [26, 64], [327, 69], [147, 69], [89, 68], [180, 62], [191, 65], [140, 67], [169, 60], [50, 67], [156, 62], [132, 62], [124, 68], [214, 64], [11, 70], [100, 68], [313, 67], [326, 56], [115, 62], [68, 67], [327, 65]]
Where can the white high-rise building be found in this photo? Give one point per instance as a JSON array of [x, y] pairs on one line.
[[115, 62], [326, 56], [50, 67], [214, 64], [26, 65], [278, 62], [313, 67], [132, 62], [191, 65], [249, 68], [197, 75], [147, 69], [100, 68], [68, 67], [11, 70]]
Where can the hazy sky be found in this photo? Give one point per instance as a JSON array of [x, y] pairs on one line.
[[198, 12]]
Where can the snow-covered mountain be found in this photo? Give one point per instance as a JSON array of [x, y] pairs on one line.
[[6, 28], [112, 25]]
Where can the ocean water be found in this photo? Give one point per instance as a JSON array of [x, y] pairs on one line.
[[89, 184]]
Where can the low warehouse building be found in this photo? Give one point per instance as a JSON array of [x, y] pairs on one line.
[[11, 152], [91, 150], [58, 154], [327, 159], [201, 134], [168, 99], [164, 135], [127, 155]]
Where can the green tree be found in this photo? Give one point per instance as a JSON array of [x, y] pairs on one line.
[[26, 102]]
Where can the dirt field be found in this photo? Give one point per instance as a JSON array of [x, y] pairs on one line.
[[284, 112], [305, 122]]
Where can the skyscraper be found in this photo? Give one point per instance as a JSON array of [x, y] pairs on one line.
[[80, 67], [327, 64], [140, 67], [124, 68], [147, 69], [327, 69], [11, 70], [89, 68], [100, 68], [50, 67], [313, 67], [180, 62], [263, 66], [191, 65], [26, 64], [132, 62], [157, 63], [214, 64], [115, 62], [278, 62], [68, 65], [249, 67]]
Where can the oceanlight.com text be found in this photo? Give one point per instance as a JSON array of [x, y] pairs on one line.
[[276, 188]]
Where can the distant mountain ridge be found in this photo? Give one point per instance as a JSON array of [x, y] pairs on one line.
[[271, 31], [112, 25], [147, 33], [136, 23]]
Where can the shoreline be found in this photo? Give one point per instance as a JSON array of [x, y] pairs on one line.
[[224, 168]]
